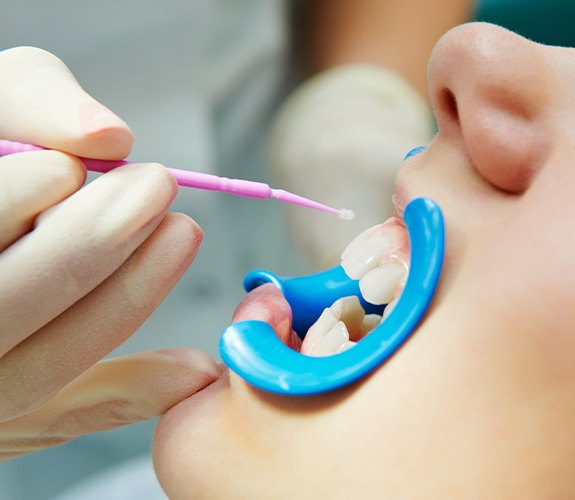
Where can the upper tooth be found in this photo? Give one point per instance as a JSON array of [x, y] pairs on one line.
[[359, 239], [380, 285], [378, 259], [369, 233], [366, 256]]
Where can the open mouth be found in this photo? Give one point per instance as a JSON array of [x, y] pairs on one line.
[[378, 269], [379, 259]]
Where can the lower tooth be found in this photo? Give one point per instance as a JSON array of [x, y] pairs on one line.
[[317, 331], [349, 310], [346, 346], [370, 322], [331, 342]]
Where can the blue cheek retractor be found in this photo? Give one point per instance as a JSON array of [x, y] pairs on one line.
[[253, 351]]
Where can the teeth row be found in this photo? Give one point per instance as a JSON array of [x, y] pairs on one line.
[[378, 259], [338, 328]]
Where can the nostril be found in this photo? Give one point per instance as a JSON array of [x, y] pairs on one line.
[[448, 103]]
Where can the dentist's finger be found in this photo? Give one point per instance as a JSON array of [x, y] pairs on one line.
[[77, 244], [110, 394], [31, 183], [42, 103], [55, 355]]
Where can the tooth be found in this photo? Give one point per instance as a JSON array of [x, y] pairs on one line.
[[331, 342], [360, 239], [347, 345], [370, 321], [369, 233], [316, 331], [349, 310], [380, 285], [388, 308], [366, 256], [374, 246]]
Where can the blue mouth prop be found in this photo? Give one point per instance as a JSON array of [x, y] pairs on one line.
[[253, 351]]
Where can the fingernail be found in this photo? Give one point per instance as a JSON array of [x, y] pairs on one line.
[[94, 117]]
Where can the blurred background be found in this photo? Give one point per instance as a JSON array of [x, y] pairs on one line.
[[198, 82]]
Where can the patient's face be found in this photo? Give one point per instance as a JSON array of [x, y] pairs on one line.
[[481, 400]]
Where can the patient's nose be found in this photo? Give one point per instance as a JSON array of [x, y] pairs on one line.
[[488, 87]]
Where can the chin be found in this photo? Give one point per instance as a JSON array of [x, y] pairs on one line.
[[185, 443]]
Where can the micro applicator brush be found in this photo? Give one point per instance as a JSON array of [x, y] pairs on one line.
[[198, 180]]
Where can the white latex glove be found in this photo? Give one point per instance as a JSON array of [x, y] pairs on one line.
[[81, 269], [340, 139]]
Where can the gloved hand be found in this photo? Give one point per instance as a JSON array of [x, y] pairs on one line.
[[340, 139], [81, 268]]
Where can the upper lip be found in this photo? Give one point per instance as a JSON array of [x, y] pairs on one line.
[[398, 205]]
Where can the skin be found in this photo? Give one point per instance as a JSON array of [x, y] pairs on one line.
[[480, 402]]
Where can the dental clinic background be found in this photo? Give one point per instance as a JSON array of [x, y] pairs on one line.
[[198, 82]]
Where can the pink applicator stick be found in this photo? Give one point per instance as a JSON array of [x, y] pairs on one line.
[[197, 180]]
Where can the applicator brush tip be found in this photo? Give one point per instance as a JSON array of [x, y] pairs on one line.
[[345, 214]]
